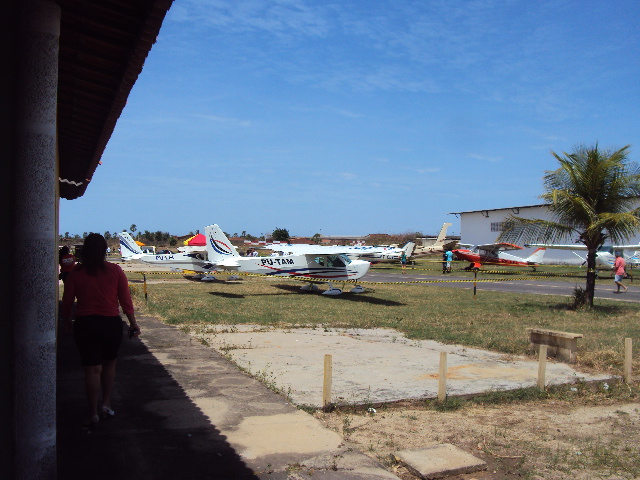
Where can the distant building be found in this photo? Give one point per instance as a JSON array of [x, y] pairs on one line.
[[478, 227]]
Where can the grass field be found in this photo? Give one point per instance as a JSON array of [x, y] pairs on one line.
[[494, 320]]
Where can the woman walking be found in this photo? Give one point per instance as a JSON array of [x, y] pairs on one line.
[[99, 287]]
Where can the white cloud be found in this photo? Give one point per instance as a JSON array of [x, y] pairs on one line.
[[485, 158], [226, 120], [347, 176]]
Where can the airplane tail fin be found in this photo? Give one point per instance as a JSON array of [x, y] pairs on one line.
[[408, 248], [128, 246], [536, 257], [218, 245], [442, 235]]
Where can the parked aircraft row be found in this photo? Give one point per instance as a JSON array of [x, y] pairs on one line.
[[495, 254], [222, 255], [341, 263], [605, 256], [365, 252]]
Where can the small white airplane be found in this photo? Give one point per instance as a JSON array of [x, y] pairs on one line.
[[195, 262], [435, 246], [364, 252], [315, 268], [605, 256]]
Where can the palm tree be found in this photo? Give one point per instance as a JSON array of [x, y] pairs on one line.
[[590, 196]]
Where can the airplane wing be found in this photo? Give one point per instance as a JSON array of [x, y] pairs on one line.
[[307, 249], [575, 246], [499, 247], [580, 246]]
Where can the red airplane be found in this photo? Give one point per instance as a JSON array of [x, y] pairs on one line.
[[494, 254]]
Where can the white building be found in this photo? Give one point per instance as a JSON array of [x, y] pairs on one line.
[[480, 227]]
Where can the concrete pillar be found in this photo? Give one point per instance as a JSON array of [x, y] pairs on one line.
[[34, 230]]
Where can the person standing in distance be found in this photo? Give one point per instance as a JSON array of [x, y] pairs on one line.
[[67, 262], [100, 287], [619, 272], [448, 256]]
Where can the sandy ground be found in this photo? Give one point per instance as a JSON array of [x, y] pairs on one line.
[[537, 440], [547, 440]]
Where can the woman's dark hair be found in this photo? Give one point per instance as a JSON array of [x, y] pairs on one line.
[[94, 252], [63, 251]]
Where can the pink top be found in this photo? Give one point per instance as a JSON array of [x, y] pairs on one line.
[[99, 295], [619, 265]]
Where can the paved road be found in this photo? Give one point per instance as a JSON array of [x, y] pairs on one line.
[[533, 285]]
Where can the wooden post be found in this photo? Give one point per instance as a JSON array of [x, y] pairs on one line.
[[628, 357], [326, 386], [475, 283], [144, 276], [442, 379], [542, 366]]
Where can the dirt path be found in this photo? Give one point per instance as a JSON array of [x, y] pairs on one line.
[[552, 440]]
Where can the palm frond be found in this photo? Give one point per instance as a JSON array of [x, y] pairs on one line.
[[520, 231], [591, 195]]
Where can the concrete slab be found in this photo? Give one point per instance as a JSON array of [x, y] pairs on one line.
[[440, 461], [372, 365]]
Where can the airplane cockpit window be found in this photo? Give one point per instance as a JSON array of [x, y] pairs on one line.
[[334, 261], [345, 258], [319, 261]]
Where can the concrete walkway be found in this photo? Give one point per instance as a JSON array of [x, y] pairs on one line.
[[185, 412]]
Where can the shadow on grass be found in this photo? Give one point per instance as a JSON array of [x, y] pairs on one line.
[[224, 279], [227, 295], [596, 309], [242, 295], [352, 297]]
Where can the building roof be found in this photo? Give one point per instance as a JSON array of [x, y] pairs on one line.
[[103, 46], [513, 209]]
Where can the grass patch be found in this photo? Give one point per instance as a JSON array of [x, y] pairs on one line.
[[494, 320]]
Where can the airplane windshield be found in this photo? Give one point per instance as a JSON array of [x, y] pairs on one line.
[[345, 258], [335, 261]]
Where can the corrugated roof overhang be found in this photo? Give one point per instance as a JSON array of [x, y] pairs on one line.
[[103, 46]]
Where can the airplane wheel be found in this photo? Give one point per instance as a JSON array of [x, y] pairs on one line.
[[357, 289], [332, 291]]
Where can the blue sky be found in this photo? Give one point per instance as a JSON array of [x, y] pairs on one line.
[[351, 117]]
